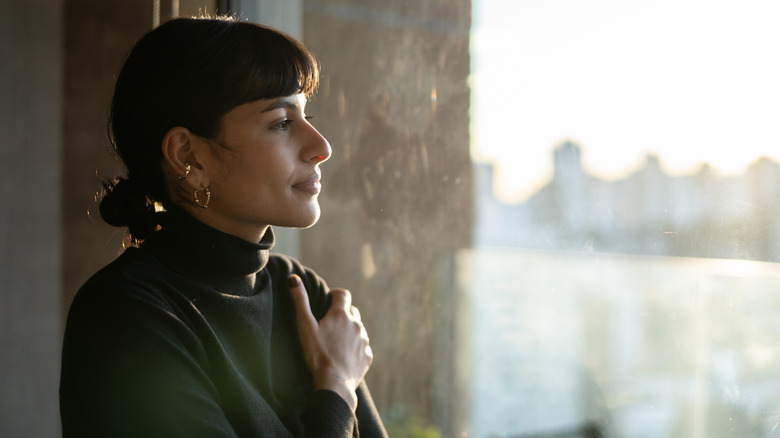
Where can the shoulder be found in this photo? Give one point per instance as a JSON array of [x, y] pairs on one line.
[[131, 303], [133, 273], [281, 266], [133, 289]]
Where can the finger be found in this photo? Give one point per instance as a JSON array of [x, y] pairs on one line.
[[355, 313], [341, 299], [303, 316]]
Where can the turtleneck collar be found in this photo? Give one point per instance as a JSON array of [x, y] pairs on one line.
[[219, 260]]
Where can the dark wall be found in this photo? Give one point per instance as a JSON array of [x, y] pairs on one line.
[[98, 36], [30, 227]]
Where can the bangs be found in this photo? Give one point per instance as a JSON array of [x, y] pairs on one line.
[[272, 64]]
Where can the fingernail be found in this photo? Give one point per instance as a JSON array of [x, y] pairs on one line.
[[292, 281]]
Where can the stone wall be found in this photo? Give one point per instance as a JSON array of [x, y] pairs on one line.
[[394, 103]]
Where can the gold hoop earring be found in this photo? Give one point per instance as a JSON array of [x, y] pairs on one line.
[[205, 203], [186, 172]]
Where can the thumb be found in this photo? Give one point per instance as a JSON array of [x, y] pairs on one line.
[[304, 319]]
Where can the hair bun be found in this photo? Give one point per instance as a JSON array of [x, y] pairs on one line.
[[124, 204]]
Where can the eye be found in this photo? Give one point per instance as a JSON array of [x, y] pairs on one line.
[[283, 125]]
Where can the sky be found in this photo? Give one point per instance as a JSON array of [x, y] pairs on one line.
[[687, 80]]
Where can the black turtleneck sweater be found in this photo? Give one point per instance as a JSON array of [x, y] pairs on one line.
[[193, 334]]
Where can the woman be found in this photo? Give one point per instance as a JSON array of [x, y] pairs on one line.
[[197, 331]]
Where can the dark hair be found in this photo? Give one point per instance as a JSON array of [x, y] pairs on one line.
[[190, 72]]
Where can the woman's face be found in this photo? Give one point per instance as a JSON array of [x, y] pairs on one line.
[[269, 173]]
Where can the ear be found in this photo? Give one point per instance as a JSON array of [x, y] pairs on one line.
[[180, 148]]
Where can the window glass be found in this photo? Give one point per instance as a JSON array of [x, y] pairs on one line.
[[622, 279], [557, 217]]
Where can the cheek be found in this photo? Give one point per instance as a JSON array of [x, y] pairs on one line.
[[260, 175], [277, 168]]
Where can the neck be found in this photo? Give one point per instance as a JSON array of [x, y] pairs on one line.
[[249, 232], [196, 250]]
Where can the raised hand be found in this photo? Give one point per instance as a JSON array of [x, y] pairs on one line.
[[336, 348]]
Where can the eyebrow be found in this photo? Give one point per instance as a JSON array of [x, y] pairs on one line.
[[282, 103]]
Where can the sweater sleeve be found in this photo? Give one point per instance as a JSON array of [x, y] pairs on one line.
[[369, 422], [330, 416]]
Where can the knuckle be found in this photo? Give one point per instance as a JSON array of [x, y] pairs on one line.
[[340, 292], [345, 294], [339, 295]]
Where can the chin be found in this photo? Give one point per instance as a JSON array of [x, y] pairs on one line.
[[305, 222]]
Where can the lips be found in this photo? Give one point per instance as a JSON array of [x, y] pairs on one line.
[[311, 185]]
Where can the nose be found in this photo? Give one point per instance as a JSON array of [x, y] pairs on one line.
[[318, 149]]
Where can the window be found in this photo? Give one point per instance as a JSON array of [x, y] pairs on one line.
[[557, 218], [623, 280]]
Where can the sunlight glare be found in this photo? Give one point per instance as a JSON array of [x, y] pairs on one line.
[[690, 81]]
